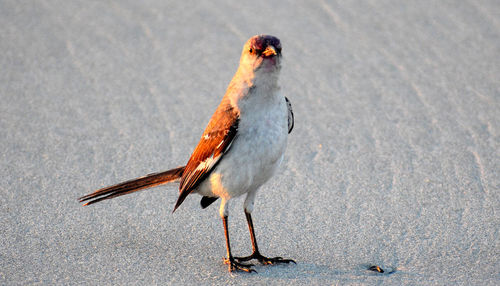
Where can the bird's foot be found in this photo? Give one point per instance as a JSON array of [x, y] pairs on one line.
[[234, 265], [264, 260]]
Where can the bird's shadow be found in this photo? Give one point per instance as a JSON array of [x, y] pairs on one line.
[[322, 272]]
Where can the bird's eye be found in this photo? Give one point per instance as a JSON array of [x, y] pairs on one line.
[[250, 50]]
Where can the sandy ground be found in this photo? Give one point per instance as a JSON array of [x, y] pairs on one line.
[[394, 159]]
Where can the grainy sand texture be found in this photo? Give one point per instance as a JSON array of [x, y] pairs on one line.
[[394, 160]]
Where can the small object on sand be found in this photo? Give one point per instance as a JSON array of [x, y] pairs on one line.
[[376, 268]]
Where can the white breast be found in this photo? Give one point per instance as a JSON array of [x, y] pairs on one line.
[[257, 150]]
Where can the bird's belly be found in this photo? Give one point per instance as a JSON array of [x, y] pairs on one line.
[[254, 157]]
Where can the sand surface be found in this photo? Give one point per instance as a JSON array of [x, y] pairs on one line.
[[394, 159]]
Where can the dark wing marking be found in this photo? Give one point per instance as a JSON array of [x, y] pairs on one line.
[[290, 115], [206, 201], [214, 143]]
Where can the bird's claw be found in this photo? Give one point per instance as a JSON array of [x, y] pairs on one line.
[[234, 265], [265, 260]]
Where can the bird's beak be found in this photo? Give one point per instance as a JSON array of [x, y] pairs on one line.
[[269, 51]]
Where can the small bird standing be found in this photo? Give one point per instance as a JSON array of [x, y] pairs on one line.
[[240, 149]]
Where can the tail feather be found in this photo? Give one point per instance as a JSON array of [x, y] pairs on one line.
[[134, 185]]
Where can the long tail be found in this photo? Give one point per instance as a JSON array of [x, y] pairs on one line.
[[134, 185]]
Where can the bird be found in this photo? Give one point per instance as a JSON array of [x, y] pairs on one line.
[[241, 148]]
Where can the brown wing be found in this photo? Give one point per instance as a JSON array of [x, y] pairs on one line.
[[214, 143]]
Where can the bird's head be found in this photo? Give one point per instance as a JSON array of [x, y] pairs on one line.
[[261, 53]]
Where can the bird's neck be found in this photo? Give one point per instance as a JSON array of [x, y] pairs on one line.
[[250, 90], [261, 79]]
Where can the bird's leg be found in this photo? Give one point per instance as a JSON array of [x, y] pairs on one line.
[[256, 254], [233, 264]]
